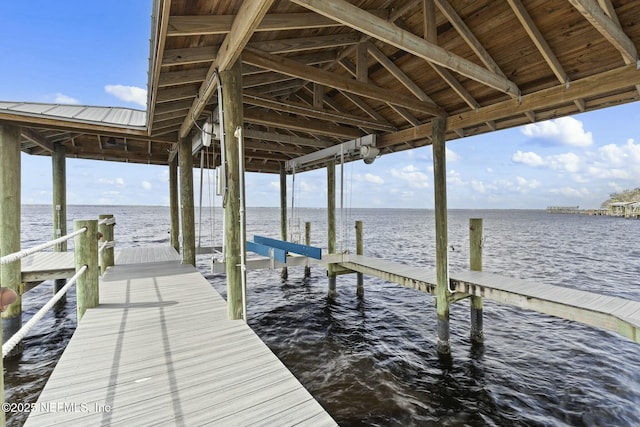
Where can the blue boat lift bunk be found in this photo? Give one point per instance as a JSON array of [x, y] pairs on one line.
[[276, 254]]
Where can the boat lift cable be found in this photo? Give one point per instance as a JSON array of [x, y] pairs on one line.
[[341, 199], [18, 336]]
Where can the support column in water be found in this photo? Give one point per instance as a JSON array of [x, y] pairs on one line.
[[58, 167], [284, 273], [475, 254], [231, 81], [185, 158], [438, 125]]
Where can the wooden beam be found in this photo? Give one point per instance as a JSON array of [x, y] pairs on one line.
[[295, 69], [38, 139], [318, 127], [382, 30], [158, 35], [189, 55], [608, 28], [588, 87], [313, 112], [538, 39], [398, 73], [176, 94], [307, 43], [221, 24], [244, 24], [468, 36], [286, 139], [362, 63], [174, 78]]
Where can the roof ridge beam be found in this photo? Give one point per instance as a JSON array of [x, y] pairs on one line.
[[380, 29]]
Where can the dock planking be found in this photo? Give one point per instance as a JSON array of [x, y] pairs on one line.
[[604, 311], [159, 350]]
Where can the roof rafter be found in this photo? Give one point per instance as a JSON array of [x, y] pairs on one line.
[[389, 33], [608, 28], [246, 21], [295, 69], [221, 24]]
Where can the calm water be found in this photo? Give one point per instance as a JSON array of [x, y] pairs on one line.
[[372, 360]]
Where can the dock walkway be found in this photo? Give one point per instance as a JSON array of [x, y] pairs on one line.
[[159, 350], [615, 314]]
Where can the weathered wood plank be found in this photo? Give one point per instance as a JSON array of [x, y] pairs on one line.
[[160, 350]]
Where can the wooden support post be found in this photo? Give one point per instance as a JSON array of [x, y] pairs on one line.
[[86, 253], [58, 167], [307, 241], [359, 251], [442, 245], [106, 231], [186, 201], [475, 254], [10, 274], [232, 106], [283, 212], [331, 222], [174, 211]]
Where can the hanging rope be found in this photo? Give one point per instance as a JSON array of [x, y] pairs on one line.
[[18, 336]]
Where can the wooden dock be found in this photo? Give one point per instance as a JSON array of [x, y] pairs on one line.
[[159, 350], [603, 311]]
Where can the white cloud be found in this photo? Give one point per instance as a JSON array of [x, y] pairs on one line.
[[528, 158], [146, 185], [412, 175], [117, 182], [569, 162], [374, 179], [478, 186], [565, 131], [571, 192], [133, 94], [61, 98], [451, 155]]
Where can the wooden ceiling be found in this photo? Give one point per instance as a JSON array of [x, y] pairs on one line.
[[320, 72]]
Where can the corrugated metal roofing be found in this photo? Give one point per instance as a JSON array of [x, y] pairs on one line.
[[114, 116]]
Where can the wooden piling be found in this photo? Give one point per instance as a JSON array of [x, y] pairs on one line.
[[359, 251], [331, 222], [86, 253], [307, 241], [475, 255], [284, 273], [232, 106], [174, 211], [106, 231], [10, 275], [438, 125], [186, 201], [58, 167]]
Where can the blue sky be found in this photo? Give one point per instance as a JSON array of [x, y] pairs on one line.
[[96, 53]]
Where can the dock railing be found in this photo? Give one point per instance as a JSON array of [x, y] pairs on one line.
[[86, 237]]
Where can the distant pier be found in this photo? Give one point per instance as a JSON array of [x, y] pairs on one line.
[[563, 209]]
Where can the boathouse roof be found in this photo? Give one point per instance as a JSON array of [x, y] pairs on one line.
[[320, 72]]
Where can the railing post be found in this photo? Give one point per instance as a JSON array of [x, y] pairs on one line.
[[106, 231], [86, 253], [475, 254], [307, 241], [359, 251]]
